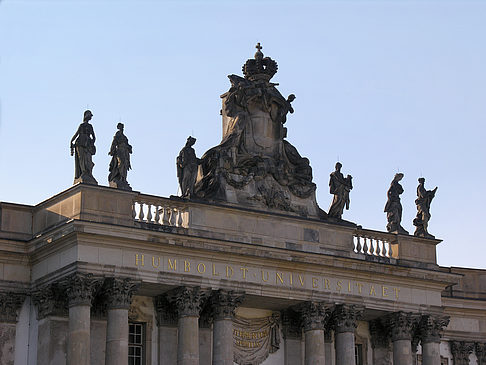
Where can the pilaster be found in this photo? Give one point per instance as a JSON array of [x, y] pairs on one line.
[[460, 352]]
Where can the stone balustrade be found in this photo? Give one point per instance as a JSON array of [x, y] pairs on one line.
[[373, 243], [160, 211]]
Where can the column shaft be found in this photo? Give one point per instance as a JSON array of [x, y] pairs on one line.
[[345, 348], [188, 341], [314, 347], [117, 337], [431, 353], [402, 352], [167, 345], [79, 349], [223, 342]]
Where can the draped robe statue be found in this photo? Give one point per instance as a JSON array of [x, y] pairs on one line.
[[83, 149]]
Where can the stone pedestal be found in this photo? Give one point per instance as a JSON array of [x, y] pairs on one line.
[[167, 327], [223, 305], [118, 297], [292, 335], [344, 319], [313, 316], [430, 327]]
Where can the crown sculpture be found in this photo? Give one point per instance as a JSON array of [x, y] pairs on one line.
[[254, 165]]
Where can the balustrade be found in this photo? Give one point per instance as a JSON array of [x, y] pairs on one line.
[[371, 243], [160, 211]]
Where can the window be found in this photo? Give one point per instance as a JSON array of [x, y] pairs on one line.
[[136, 344], [358, 354]]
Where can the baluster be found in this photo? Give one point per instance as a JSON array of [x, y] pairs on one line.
[[358, 245], [157, 214], [379, 247], [376, 247], [389, 252], [179, 217], [149, 213], [165, 216], [134, 212], [173, 216], [140, 213]]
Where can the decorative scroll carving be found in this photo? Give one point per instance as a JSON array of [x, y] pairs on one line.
[[460, 352], [10, 303], [430, 327], [166, 314], [291, 324], [118, 292], [223, 303], [401, 325], [80, 288], [480, 352], [187, 301], [345, 318], [50, 300], [313, 315], [380, 334]]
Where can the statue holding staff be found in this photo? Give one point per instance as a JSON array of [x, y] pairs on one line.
[[120, 162], [393, 207], [423, 201], [83, 149]]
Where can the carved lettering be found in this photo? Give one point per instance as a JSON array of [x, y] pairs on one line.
[[139, 259], [301, 279], [214, 271], [314, 282], [153, 262], [278, 277], [229, 271], [187, 266], [244, 270], [199, 270], [172, 265]]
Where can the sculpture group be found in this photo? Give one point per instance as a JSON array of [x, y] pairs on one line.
[[254, 165]]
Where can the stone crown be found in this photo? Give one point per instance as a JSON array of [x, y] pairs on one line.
[[259, 68]]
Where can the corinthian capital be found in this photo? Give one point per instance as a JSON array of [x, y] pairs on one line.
[[430, 327], [50, 300], [80, 288], [166, 313], [380, 334], [460, 352], [345, 318], [224, 302], [313, 315], [10, 303], [401, 325], [480, 352], [291, 324], [187, 300], [118, 292]]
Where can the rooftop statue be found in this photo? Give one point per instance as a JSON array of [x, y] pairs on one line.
[[187, 164], [393, 207], [254, 165], [83, 149], [423, 201], [340, 186], [120, 161]]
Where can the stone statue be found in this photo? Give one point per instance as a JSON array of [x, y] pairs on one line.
[[187, 165], [393, 207], [83, 149], [340, 187], [424, 198], [120, 161], [254, 165]]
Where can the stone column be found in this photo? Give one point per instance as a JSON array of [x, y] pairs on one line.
[[223, 305], [118, 296], [292, 334], [79, 289], [460, 352], [206, 336], [313, 316], [380, 343], [328, 346], [480, 352], [345, 320], [401, 326], [430, 328], [166, 317], [10, 304], [188, 304]]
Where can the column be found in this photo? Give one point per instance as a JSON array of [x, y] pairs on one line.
[[401, 325], [460, 352], [480, 352], [380, 343], [292, 335], [430, 329], [205, 336], [80, 289], [188, 304], [166, 317], [118, 295], [313, 316], [328, 346], [345, 320], [10, 304], [223, 305]]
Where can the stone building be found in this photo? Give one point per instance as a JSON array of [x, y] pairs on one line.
[[246, 268]]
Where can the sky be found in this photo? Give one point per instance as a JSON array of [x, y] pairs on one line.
[[381, 86]]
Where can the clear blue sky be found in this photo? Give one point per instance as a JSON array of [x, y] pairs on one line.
[[383, 86]]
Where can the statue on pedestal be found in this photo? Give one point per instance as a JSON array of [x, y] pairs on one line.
[[120, 161], [393, 207], [340, 187], [423, 201], [187, 165], [83, 149]]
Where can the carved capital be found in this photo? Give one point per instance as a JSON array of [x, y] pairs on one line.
[[223, 303], [430, 327], [50, 301], [401, 325], [313, 315], [480, 352], [460, 352], [345, 318], [166, 314], [10, 303], [291, 324], [187, 301], [80, 288], [380, 334], [118, 292]]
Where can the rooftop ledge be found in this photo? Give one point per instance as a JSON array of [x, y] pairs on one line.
[[216, 221]]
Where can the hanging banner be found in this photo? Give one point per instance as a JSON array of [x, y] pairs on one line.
[[255, 338]]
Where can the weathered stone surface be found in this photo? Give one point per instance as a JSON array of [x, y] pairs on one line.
[[7, 343]]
